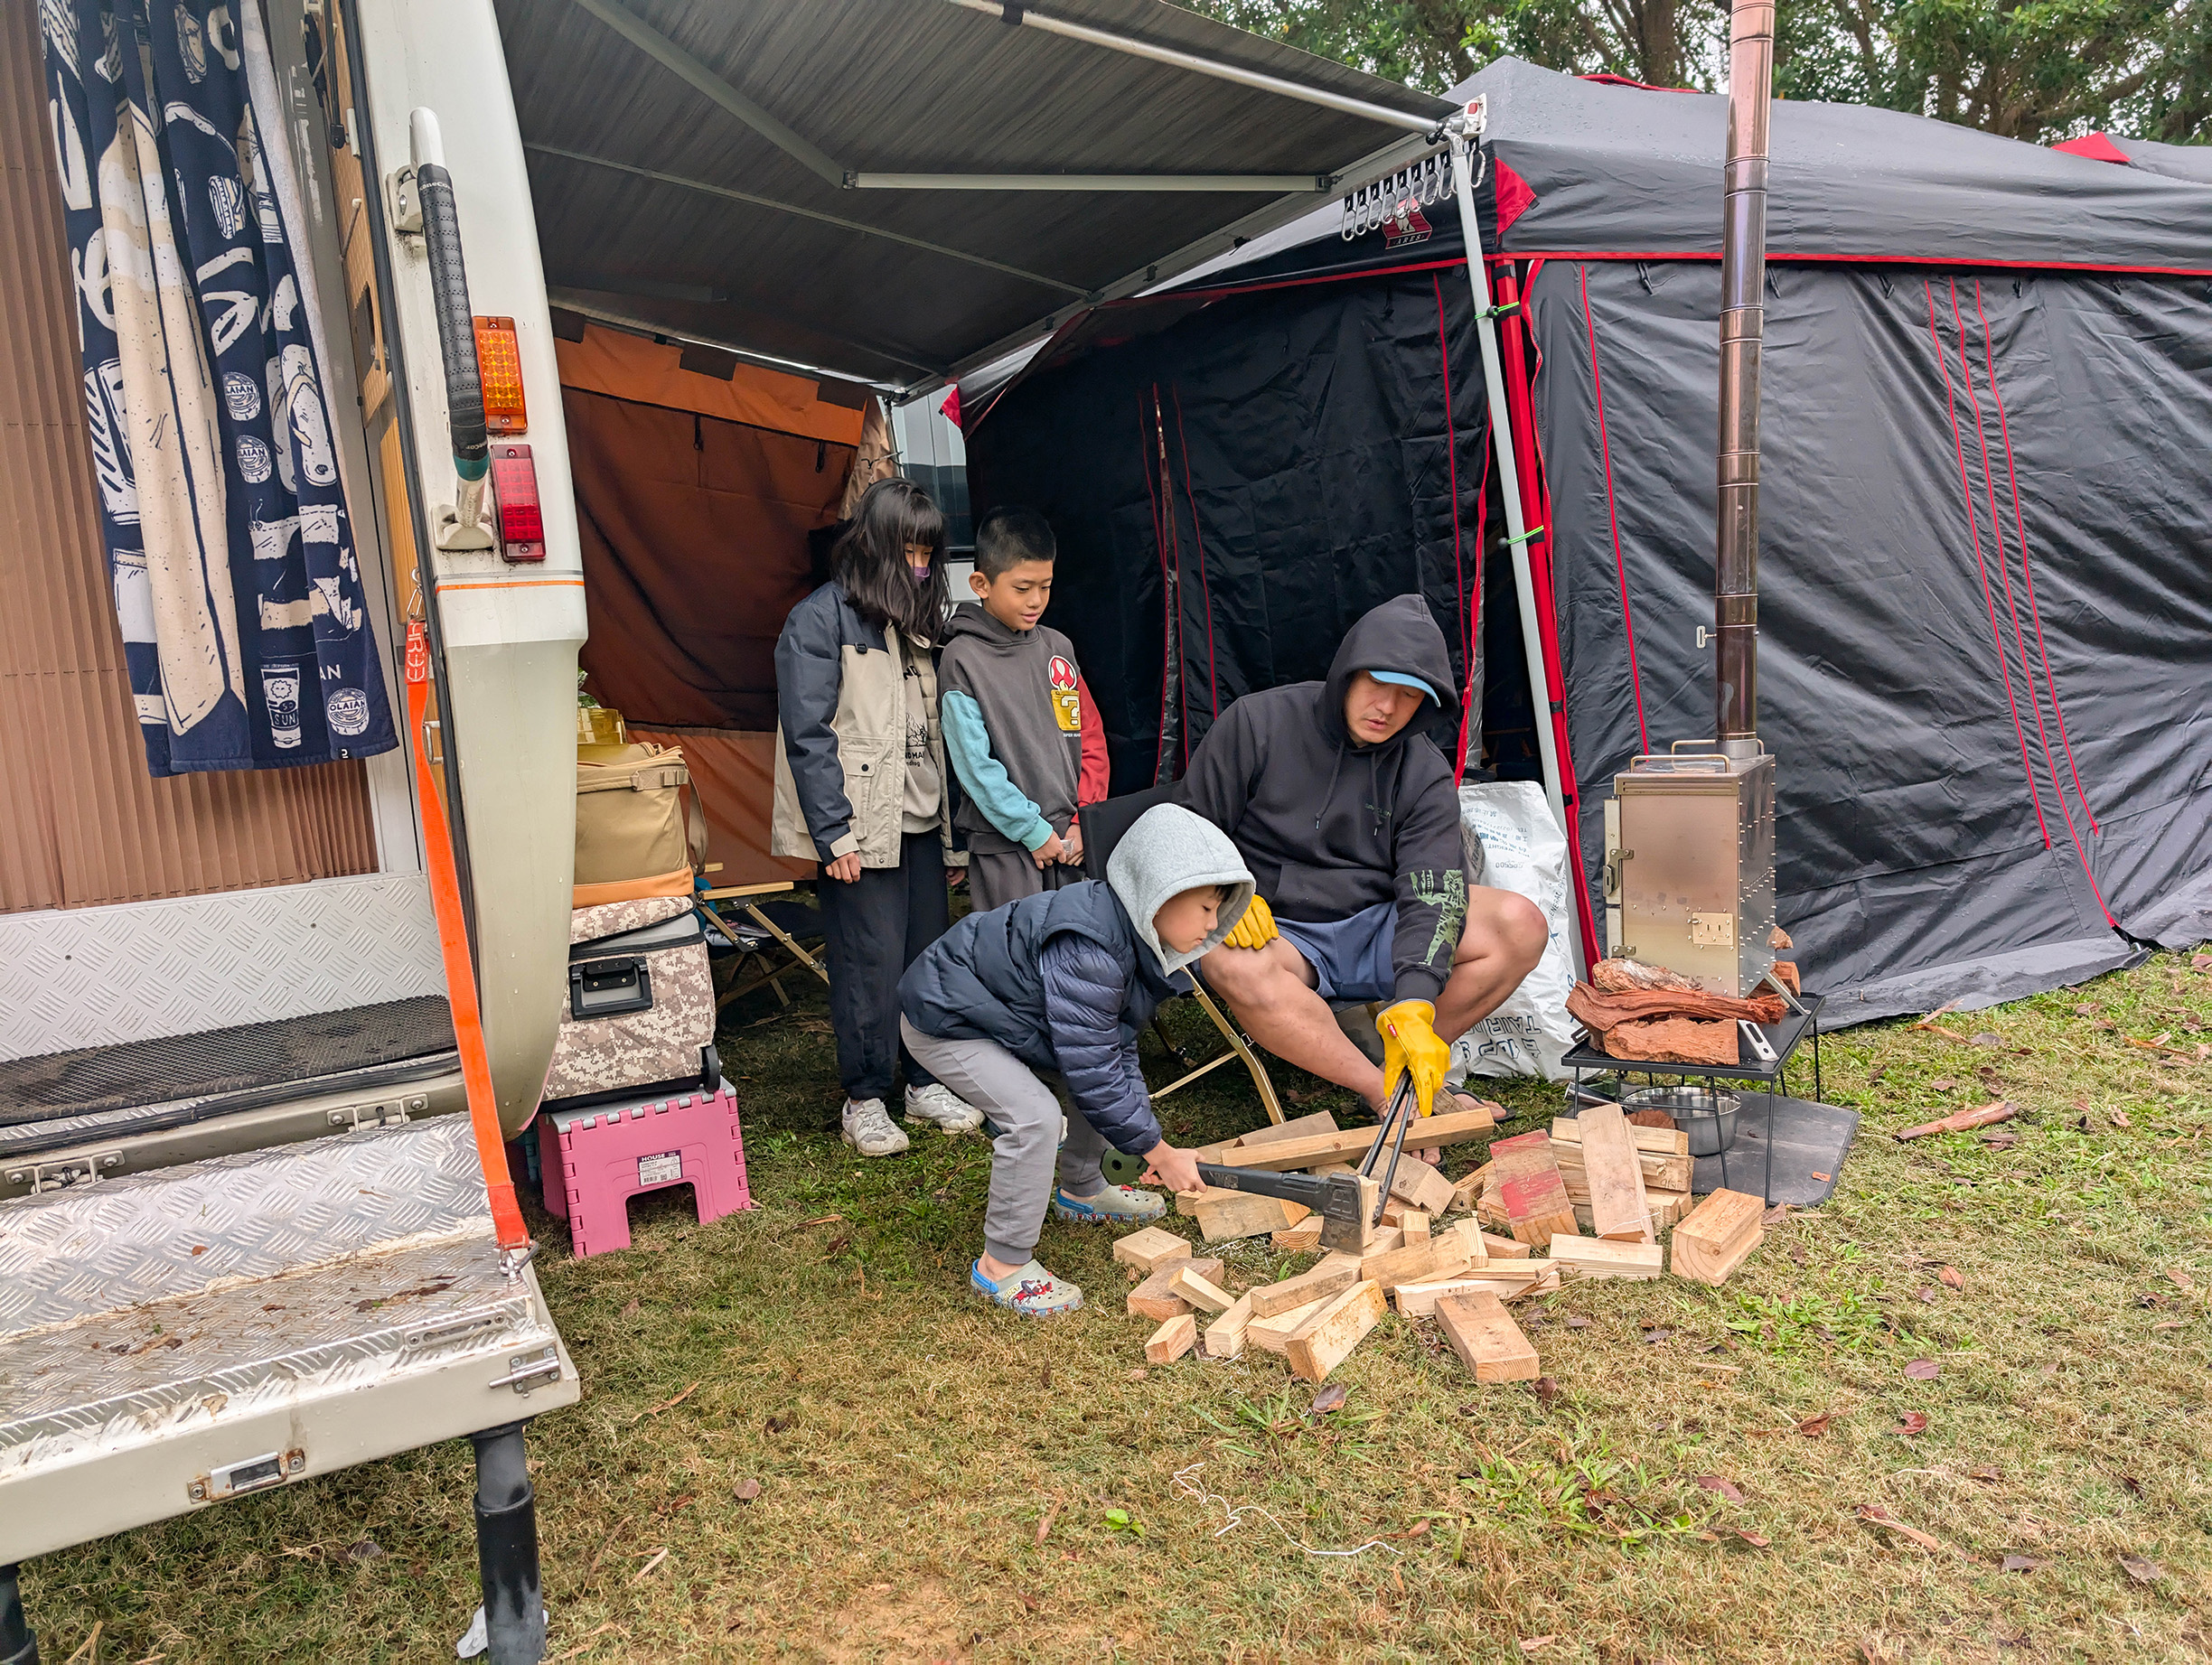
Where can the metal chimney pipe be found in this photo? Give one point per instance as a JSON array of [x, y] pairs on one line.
[[1743, 277]]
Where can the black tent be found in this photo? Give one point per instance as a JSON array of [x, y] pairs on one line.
[[1986, 622]]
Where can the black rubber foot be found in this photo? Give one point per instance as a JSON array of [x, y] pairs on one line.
[[507, 1549], [18, 1644]]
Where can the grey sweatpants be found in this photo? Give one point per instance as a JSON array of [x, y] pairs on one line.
[[1027, 1116], [997, 877]]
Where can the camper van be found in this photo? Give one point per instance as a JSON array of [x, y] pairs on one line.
[[600, 306]]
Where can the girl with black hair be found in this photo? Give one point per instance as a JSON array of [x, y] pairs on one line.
[[860, 788]]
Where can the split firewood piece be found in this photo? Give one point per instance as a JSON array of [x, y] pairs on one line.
[[1667, 1207], [1224, 1337], [1452, 1128], [1222, 1215], [1656, 1143], [1155, 1298], [1674, 1040], [1496, 1247], [1322, 1341], [1274, 1334], [1507, 1280], [1417, 1263], [1786, 974], [1332, 1277], [1468, 1190], [1487, 1339], [1779, 939], [1959, 1121], [1415, 1226], [1418, 1184], [1718, 1235], [1172, 1339], [1302, 1238], [1526, 1182], [1150, 1249], [1200, 1292], [1616, 1175], [1592, 1257]]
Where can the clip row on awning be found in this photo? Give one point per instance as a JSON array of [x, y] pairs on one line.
[[897, 190]]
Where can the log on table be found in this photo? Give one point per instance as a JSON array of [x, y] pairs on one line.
[[1634, 977], [1674, 1040], [1597, 1011]]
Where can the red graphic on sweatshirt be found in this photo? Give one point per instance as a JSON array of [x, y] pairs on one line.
[[1067, 708], [1063, 673]]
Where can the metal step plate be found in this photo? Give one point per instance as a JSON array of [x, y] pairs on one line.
[[172, 1339]]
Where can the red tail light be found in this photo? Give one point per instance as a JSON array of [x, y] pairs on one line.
[[514, 488]]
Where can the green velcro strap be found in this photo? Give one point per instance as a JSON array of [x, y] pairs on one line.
[[1499, 311], [1533, 531]]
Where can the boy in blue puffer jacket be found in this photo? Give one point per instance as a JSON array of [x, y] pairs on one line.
[[1061, 983]]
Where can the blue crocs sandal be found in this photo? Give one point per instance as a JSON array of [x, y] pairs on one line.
[[1117, 1205], [1030, 1290]]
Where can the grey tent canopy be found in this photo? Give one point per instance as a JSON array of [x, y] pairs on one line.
[[895, 190], [1986, 498]]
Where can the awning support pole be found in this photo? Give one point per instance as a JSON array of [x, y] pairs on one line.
[[1456, 134]]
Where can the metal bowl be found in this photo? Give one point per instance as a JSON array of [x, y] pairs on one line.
[[1707, 1117]]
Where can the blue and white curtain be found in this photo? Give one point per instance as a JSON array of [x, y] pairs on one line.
[[236, 583]]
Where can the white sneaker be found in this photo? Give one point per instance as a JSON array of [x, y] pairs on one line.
[[869, 1129], [937, 1103]]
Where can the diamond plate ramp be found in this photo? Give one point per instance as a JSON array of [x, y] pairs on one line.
[[99, 1079]]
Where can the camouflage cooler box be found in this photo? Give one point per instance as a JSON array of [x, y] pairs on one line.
[[640, 1010]]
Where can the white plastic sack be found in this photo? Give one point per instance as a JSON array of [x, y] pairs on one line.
[[1524, 852]]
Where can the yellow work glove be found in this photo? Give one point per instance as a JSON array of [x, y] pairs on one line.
[[1256, 929], [1409, 1042]]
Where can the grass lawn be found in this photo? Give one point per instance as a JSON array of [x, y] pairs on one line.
[[1690, 1489]]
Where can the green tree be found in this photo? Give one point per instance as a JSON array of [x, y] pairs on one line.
[[2033, 69]]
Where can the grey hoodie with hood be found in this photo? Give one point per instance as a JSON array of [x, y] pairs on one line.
[[1330, 825], [1067, 979]]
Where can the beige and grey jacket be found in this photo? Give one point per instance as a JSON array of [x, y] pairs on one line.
[[840, 759]]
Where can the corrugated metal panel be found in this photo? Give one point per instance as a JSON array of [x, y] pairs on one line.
[[82, 822]]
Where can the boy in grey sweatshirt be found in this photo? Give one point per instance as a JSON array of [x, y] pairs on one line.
[[1012, 708]]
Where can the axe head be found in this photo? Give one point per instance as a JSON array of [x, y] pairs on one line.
[[1347, 1212]]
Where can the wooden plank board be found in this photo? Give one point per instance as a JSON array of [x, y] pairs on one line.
[[1155, 1298], [1150, 1249], [1224, 1337], [1415, 1263], [1503, 1248], [1487, 1339], [1298, 1127], [1201, 1292], [1716, 1235], [1418, 1184], [1663, 1173], [1274, 1334], [1172, 1339], [1592, 1257], [1321, 1343], [1650, 1141], [1332, 1277], [1618, 1210], [1507, 1281], [1282, 1154], [1526, 1182]]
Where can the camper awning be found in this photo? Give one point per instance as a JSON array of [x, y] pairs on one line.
[[898, 189]]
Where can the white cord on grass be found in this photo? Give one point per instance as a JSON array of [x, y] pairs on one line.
[[1187, 1485]]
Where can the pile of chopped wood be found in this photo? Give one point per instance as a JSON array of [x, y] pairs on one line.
[[1649, 1013], [1539, 1190]]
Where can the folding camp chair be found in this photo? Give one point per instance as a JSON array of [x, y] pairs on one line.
[[764, 935], [1102, 826]]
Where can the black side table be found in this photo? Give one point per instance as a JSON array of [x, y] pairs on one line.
[[1784, 1038]]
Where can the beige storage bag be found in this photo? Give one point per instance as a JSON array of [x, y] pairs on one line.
[[640, 831]]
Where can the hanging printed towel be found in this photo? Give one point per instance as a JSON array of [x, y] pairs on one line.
[[245, 626]]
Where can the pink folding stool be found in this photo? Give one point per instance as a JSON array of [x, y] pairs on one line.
[[595, 1159]]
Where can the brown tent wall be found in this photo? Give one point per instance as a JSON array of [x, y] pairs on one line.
[[82, 822], [695, 494]]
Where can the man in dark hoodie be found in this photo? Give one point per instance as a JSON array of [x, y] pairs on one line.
[[1344, 809]]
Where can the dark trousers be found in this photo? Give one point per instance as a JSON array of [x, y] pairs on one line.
[[875, 928]]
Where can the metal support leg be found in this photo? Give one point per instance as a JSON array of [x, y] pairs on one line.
[[18, 1645], [507, 1549]]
